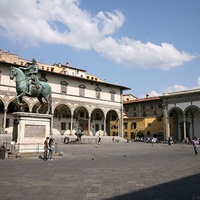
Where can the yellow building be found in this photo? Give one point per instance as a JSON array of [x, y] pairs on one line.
[[143, 117]]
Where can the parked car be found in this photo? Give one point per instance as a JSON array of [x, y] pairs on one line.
[[150, 140]]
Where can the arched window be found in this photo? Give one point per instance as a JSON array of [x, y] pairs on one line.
[[112, 95], [64, 85], [98, 92], [82, 90]]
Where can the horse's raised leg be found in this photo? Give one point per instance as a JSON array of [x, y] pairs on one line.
[[19, 98], [41, 104]]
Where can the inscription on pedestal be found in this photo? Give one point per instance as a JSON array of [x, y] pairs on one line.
[[34, 130]]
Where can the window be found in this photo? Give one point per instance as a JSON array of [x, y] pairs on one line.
[[134, 108], [112, 95], [43, 75], [143, 107], [63, 126], [144, 114], [63, 87], [98, 92], [125, 125], [159, 105], [52, 69], [82, 90], [133, 125]]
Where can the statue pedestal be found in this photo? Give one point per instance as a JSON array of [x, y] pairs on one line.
[[30, 131]]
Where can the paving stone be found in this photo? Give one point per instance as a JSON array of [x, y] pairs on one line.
[[117, 171]]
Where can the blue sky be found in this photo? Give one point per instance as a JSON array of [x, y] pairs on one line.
[[151, 46]]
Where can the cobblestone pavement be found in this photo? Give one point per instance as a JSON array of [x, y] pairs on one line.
[[116, 171]]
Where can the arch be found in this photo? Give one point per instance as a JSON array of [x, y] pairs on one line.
[[81, 119], [62, 119], [177, 109], [176, 115], [192, 114], [97, 122], [2, 105], [112, 120], [13, 106], [191, 108]]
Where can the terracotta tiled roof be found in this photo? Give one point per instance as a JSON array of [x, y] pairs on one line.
[[142, 100]]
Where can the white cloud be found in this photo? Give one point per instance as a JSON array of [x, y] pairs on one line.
[[63, 22], [147, 55], [153, 93], [174, 88]]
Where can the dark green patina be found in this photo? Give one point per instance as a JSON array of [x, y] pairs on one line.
[[27, 84]]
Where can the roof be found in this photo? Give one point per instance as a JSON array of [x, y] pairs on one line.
[[142, 100], [75, 77]]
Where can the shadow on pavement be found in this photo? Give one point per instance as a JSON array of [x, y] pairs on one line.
[[183, 189]]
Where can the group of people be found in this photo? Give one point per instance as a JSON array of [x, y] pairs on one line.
[[194, 142], [49, 146]]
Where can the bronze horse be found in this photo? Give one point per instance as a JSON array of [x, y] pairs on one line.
[[44, 90]]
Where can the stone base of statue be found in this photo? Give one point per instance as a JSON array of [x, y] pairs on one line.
[[30, 131]]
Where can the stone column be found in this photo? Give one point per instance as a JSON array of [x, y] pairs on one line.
[[89, 124], [71, 123], [4, 120], [184, 128], [120, 123], [166, 124], [168, 127], [104, 124]]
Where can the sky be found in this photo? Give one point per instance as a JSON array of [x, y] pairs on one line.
[[150, 46]]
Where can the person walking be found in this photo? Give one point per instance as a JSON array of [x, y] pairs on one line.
[[169, 142], [51, 148], [99, 140], [195, 144]]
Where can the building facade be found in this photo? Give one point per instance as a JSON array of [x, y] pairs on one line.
[[79, 100], [182, 114], [143, 117]]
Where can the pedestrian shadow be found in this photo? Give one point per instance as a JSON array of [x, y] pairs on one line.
[[184, 189]]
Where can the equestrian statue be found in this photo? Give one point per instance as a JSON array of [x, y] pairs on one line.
[[27, 84]]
